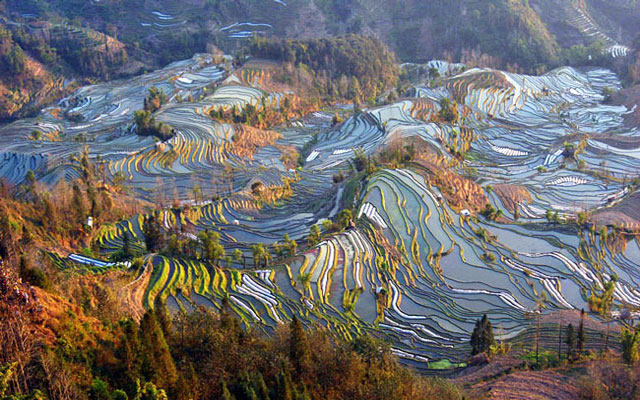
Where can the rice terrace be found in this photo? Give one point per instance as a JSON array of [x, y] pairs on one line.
[[330, 182]]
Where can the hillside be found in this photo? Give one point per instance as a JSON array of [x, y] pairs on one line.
[[43, 61], [78, 40]]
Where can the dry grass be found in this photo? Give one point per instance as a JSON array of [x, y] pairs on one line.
[[529, 385], [512, 195], [248, 140]]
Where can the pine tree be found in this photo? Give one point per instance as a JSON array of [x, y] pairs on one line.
[[126, 246], [260, 387], [482, 337], [157, 363], [630, 341], [226, 394], [570, 341], [77, 201], [475, 339], [127, 373], [298, 347], [153, 235], [164, 318], [283, 389], [487, 338]]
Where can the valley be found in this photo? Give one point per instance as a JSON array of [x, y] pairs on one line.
[[414, 267]]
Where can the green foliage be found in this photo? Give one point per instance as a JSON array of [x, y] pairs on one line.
[[482, 337], [298, 347], [630, 341], [345, 218], [153, 234], [157, 364], [146, 125], [6, 372], [99, 390], [151, 392], [542, 360], [398, 155], [601, 303], [490, 212], [570, 341], [361, 161], [33, 276], [449, 111], [362, 61], [211, 248], [261, 255], [119, 395], [315, 235], [155, 99]]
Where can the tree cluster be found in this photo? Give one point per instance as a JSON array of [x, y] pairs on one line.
[[364, 64], [482, 337]]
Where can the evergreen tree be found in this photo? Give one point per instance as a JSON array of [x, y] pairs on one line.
[[228, 322], [157, 363], [127, 371], [630, 341], [260, 387], [298, 347], [482, 337], [475, 339], [582, 338], [164, 318], [570, 341], [212, 250], [283, 389], [126, 246], [77, 201], [487, 338], [226, 394], [153, 235]]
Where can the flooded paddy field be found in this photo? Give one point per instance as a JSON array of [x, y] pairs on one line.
[[414, 268]]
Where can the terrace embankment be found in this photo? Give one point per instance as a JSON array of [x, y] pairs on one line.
[[459, 191], [625, 214], [132, 295], [512, 195], [531, 385], [630, 98]]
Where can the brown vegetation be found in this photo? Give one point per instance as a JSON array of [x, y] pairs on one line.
[[512, 195], [529, 385], [459, 191], [625, 214], [248, 140]]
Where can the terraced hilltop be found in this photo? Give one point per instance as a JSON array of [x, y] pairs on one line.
[[495, 209]]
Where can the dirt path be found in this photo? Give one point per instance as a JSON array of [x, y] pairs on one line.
[[132, 295], [529, 385]]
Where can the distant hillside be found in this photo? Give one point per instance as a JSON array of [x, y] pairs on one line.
[[38, 59], [102, 40], [523, 32]]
